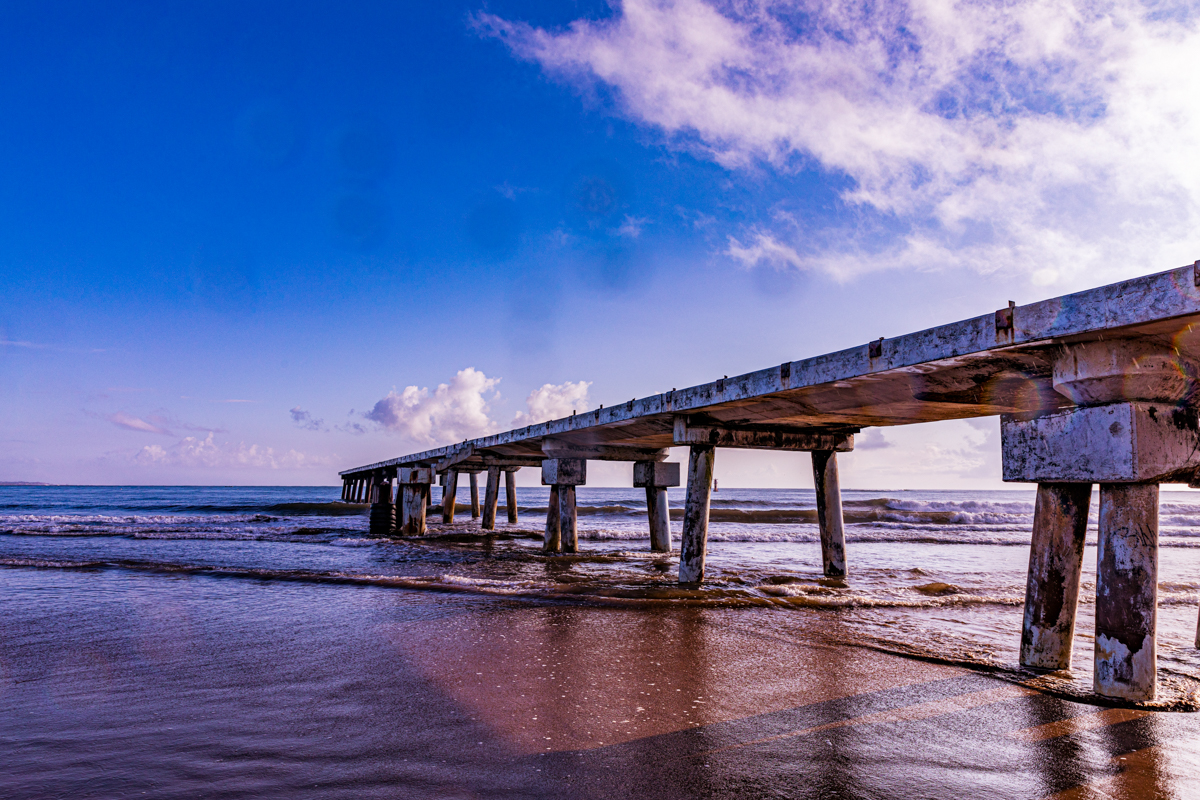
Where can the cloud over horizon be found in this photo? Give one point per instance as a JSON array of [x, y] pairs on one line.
[[1056, 139], [192, 451]]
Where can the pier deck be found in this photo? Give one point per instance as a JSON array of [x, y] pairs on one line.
[[996, 363]]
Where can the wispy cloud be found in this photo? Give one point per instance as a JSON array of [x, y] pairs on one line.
[[764, 249], [305, 420], [49, 347], [122, 420], [553, 401], [631, 228], [1055, 139], [453, 411]]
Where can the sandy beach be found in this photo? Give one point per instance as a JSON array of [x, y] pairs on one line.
[[115, 683]]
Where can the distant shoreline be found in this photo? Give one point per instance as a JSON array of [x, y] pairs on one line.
[[24, 483]]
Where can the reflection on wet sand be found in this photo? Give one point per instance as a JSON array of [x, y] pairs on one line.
[[123, 683]]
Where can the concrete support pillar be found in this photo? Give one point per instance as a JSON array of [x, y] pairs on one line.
[[412, 511], [656, 476], [474, 496], [383, 511], [562, 475], [694, 543], [659, 516], [567, 519], [415, 482], [362, 491], [1055, 564], [829, 513], [1127, 591], [553, 540], [510, 494], [449, 496], [491, 499]]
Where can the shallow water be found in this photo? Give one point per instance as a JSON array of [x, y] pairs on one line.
[[935, 574]]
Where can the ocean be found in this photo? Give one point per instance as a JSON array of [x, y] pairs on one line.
[[937, 574]]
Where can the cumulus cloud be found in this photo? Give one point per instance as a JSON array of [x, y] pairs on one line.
[[553, 401], [871, 439], [192, 451], [1052, 137], [453, 411], [128, 422]]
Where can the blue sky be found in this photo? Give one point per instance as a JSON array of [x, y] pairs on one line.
[[247, 243]]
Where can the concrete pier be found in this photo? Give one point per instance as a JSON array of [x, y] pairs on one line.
[[474, 495], [1060, 516], [491, 499], [1096, 387], [829, 513], [1127, 591], [693, 544], [510, 494], [449, 496], [656, 477]]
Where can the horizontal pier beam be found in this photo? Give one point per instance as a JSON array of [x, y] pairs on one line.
[[687, 433]]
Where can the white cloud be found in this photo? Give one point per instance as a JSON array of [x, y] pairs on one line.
[[208, 453], [135, 424], [553, 401], [871, 439], [632, 227], [765, 249], [1055, 138], [450, 413]]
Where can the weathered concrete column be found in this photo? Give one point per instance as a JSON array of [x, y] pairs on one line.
[[553, 541], [474, 496], [656, 477], [383, 511], [1127, 591], [564, 474], [415, 481], [1132, 429], [510, 494], [1060, 516], [568, 521], [829, 513], [491, 498], [694, 542], [449, 496]]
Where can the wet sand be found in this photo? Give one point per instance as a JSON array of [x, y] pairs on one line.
[[115, 683]]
